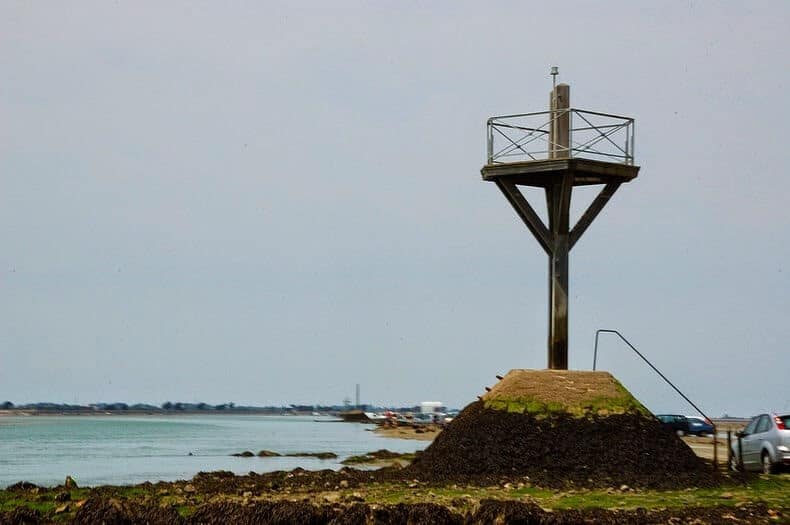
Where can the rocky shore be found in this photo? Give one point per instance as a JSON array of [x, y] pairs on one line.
[[386, 496]]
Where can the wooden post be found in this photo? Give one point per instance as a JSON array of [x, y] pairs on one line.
[[740, 452], [558, 199], [558, 202], [729, 448], [715, 449]]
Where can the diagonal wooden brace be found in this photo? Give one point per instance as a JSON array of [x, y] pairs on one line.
[[527, 214], [592, 212]]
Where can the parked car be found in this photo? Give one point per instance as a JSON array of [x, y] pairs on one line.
[[699, 426], [674, 423], [764, 444]]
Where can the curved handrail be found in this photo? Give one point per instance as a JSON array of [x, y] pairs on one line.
[[656, 370]]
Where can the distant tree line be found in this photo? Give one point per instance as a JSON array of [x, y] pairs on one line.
[[179, 406]]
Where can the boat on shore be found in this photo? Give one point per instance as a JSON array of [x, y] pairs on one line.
[[354, 416]]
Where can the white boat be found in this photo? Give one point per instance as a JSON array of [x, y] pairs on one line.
[[375, 416]]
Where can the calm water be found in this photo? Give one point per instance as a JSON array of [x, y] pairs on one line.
[[124, 450]]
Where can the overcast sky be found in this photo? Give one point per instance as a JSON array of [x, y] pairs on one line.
[[271, 202]]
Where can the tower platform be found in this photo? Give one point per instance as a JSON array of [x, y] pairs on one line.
[[545, 173]]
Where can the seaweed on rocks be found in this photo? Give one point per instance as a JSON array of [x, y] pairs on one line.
[[415, 513], [487, 512], [282, 512], [494, 512], [22, 486], [21, 516]]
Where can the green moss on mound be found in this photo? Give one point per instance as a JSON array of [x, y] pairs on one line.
[[613, 399], [626, 404]]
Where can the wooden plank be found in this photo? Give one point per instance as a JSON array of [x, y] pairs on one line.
[[586, 171]]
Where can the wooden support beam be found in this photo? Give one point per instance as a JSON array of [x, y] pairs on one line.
[[592, 212], [558, 199]]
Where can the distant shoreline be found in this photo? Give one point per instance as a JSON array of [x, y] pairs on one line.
[[104, 413]]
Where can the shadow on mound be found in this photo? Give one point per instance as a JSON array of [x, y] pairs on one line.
[[487, 445]]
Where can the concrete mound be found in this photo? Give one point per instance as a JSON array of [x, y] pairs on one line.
[[561, 428]]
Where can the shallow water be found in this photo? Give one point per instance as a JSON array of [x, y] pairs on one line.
[[118, 450]]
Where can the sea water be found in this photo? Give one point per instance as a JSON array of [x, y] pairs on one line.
[[121, 450]]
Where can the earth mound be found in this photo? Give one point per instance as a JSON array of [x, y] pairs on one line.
[[561, 429]]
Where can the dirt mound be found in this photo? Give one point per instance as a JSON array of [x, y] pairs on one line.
[[558, 450]]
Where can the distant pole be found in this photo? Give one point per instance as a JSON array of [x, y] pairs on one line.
[[554, 72], [357, 395]]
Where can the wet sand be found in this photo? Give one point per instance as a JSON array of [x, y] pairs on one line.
[[421, 433]]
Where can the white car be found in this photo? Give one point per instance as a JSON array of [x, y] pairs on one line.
[[765, 444]]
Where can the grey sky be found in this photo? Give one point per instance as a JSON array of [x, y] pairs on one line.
[[271, 202]]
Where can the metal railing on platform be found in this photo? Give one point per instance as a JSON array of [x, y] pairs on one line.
[[528, 136]]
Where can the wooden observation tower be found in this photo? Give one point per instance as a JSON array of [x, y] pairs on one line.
[[557, 150]]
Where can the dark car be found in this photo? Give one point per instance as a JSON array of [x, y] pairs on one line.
[[699, 426], [674, 423]]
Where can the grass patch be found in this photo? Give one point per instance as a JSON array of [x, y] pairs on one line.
[[42, 501], [7, 504], [185, 510], [131, 492], [774, 491]]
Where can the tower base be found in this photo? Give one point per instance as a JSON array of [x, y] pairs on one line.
[[560, 428]]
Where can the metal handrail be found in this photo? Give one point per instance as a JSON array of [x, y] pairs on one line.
[[656, 370], [511, 136]]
